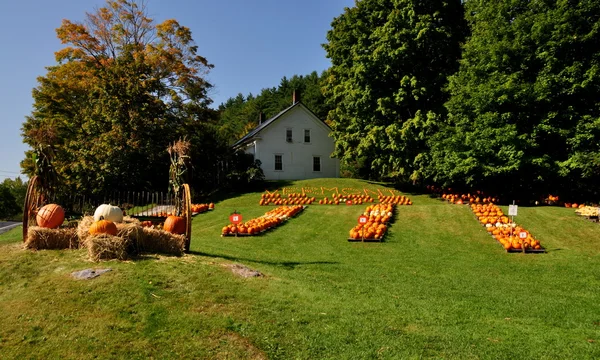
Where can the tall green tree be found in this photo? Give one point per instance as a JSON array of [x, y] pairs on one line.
[[8, 203], [18, 189], [524, 112], [122, 89], [390, 63]]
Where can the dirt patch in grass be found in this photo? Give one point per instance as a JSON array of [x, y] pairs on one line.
[[243, 271], [235, 345]]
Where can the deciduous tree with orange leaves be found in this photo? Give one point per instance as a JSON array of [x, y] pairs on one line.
[[122, 88]]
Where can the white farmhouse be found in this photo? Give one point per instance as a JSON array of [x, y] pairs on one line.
[[292, 145]]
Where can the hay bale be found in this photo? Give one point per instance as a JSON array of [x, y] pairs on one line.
[[160, 241], [131, 231], [107, 247], [131, 220], [131, 239], [134, 234], [39, 238], [83, 229]]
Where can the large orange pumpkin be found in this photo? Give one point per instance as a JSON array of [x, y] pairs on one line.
[[175, 225], [103, 227], [50, 216]]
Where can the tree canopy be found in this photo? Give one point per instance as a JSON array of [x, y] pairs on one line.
[[12, 197], [122, 89], [390, 62], [524, 109]]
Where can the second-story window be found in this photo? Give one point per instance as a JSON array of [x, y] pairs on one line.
[[306, 135]]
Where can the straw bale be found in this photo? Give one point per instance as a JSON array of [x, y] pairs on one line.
[[134, 234], [107, 247], [83, 229], [130, 231], [131, 239], [39, 238], [131, 220], [160, 241]]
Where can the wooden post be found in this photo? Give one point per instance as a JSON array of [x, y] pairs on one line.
[[187, 213], [27, 205]]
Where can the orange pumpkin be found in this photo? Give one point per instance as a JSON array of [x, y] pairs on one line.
[[50, 216], [103, 227], [175, 225]]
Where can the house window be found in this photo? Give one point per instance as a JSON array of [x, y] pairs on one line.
[[278, 162], [288, 135], [306, 135], [316, 163]]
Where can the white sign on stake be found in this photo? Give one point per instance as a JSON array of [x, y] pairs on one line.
[[512, 210]]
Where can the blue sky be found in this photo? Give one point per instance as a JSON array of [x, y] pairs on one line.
[[252, 43]]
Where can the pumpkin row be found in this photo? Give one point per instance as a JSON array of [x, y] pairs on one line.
[[336, 199], [379, 212], [200, 208], [469, 198], [376, 226], [505, 231], [396, 200], [263, 223], [475, 197], [590, 212]]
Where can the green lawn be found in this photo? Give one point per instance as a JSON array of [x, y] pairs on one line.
[[438, 287]]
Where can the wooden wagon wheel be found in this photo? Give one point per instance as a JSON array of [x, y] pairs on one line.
[[187, 215], [33, 200]]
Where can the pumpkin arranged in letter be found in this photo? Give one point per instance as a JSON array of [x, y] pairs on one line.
[[50, 216], [175, 225], [103, 227], [109, 212]]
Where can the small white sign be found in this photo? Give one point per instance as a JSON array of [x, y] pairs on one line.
[[512, 210], [523, 235]]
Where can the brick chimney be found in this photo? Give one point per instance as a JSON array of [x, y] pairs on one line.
[[260, 117], [295, 96]]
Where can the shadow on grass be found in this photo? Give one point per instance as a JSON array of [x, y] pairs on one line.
[[290, 265]]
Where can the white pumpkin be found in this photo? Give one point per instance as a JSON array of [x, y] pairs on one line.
[[109, 212]]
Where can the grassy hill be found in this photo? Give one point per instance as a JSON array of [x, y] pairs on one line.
[[439, 286]]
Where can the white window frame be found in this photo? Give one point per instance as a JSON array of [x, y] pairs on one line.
[[290, 138], [275, 162]]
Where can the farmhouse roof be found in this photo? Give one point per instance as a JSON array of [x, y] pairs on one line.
[[248, 137]]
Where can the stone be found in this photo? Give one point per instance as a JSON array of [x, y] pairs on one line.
[[244, 271], [88, 273]]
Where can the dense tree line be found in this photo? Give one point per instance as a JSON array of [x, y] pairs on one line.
[[496, 95], [12, 197], [524, 108]]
